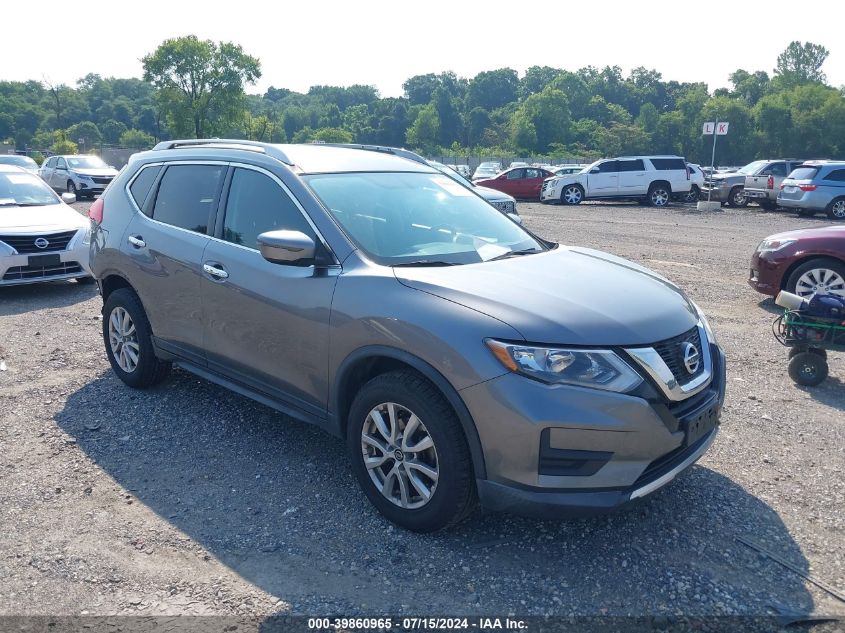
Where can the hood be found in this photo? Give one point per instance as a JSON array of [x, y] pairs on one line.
[[727, 176], [566, 296], [836, 232], [491, 194], [101, 171], [52, 217]]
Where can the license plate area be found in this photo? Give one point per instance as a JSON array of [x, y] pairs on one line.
[[697, 427], [44, 261]]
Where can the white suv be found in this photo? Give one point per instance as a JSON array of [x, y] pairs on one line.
[[657, 179]]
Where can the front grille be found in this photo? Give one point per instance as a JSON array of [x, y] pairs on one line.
[[102, 180], [505, 206], [672, 353], [19, 273], [26, 243]]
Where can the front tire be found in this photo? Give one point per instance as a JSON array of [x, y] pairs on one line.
[[409, 453], [817, 275], [737, 197], [572, 194], [128, 339], [836, 209], [71, 188]]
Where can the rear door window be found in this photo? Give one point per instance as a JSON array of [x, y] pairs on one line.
[[187, 196], [631, 165], [516, 174]]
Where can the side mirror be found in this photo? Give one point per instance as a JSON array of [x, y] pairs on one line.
[[68, 198], [515, 218], [286, 247]]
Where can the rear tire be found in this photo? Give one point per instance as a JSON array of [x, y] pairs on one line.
[[808, 369], [768, 205], [836, 209], [659, 195], [693, 194], [129, 344], [396, 397]]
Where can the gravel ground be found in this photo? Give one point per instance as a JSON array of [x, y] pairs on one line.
[[187, 499]]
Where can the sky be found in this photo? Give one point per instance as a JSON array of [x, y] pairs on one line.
[[383, 43]]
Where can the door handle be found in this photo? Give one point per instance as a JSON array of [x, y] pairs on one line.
[[137, 241], [215, 270]]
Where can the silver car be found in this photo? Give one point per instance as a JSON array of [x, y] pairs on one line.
[[461, 357], [24, 162], [81, 174], [815, 187]]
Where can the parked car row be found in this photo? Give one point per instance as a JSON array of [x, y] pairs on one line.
[[84, 175]]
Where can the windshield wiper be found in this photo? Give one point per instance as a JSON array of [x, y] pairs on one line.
[[424, 262], [23, 204], [524, 251]]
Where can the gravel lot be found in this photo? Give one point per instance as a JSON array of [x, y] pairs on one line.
[[188, 499]]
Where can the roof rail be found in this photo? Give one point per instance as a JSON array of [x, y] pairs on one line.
[[255, 146], [396, 151]]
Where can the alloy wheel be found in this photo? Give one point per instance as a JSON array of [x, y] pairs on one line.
[[692, 195], [838, 209], [123, 340], [399, 455], [822, 280], [659, 197], [738, 198], [572, 195]]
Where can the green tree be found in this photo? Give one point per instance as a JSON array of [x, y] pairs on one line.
[[523, 133], [748, 86], [451, 125], [548, 112], [492, 89], [203, 78], [332, 135], [801, 63], [136, 139], [62, 145], [86, 134], [112, 131], [423, 132], [536, 79]]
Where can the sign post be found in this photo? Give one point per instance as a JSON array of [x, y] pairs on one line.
[[714, 128]]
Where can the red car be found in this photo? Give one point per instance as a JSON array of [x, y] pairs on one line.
[[803, 262], [520, 182]]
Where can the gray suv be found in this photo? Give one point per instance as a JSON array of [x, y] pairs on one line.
[[814, 187], [461, 357]]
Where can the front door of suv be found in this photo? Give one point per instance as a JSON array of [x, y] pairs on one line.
[[165, 243], [267, 325], [604, 179]]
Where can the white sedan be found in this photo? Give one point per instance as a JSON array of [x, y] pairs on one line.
[[41, 237]]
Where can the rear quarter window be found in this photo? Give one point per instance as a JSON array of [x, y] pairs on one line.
[[837, 175], [140, 187], [668, 164]]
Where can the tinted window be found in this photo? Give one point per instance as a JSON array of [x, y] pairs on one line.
[[666, 164], [775, 169], [631, 165], [608, 167], [61, 163], [516, 174], [142, 184], [837, 175], [257, 204], [804, 173], [532, 173], [187, 194]]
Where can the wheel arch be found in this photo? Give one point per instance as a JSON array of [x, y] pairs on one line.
[[113, 281], [660, 181], [368, 362], [803, 260]]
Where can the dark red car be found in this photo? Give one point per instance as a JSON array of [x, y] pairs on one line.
[[520, 182], [803, 262]]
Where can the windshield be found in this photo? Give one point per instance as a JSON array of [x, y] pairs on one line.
[[21, 161], [750, 168], [417, 218], [24, 190], [86, 162]]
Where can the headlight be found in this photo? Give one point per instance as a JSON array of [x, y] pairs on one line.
[[707, 329], [595, 368], [770, 246]]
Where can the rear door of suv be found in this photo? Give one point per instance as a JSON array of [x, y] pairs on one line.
[[632, 177], [266, 324], [166, 241]]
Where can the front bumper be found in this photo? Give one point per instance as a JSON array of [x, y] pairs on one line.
[[550, 191], [766, 273], [717, 194], [17, 269], [610, 448]]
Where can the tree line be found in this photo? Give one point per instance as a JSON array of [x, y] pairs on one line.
[[197, 88]]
